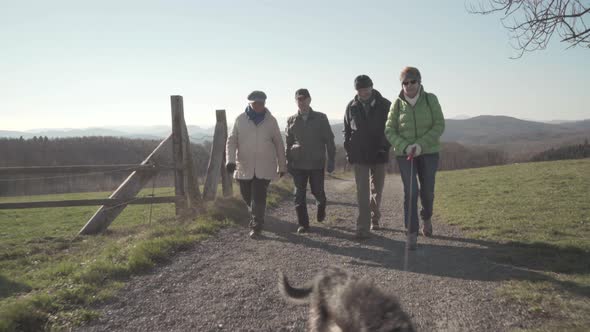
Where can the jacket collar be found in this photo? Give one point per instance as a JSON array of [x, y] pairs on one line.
[[257, 118], [403, 97], [377, 98], [310, 115]]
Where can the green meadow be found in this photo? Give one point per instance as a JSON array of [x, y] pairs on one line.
[[535, 216], [50, 276]]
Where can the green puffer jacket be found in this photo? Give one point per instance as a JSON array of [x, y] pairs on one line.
[[422, 124]]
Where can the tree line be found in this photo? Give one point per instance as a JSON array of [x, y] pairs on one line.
[[452, 156], [99, 150], [577, 151], [43, 151]]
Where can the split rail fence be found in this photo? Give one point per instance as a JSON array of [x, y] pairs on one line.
[[187, 196]]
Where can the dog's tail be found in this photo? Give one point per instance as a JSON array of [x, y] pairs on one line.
[[296, 295]]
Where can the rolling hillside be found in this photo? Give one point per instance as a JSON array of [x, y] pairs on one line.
[[512, 135], [506, 133]]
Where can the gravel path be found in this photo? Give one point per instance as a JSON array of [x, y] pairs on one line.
[[229, 282]]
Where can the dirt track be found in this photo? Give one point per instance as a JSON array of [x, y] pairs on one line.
[[228, 283]]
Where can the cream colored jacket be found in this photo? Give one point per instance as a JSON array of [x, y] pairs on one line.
[[257, 150]]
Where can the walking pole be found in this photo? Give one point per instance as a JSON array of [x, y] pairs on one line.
[[411, 159]]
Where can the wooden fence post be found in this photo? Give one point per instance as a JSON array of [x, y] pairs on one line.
[[216, 158], [186, 183], [176, 102], [226, 182]]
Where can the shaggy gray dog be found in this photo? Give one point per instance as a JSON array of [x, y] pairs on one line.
[[341, 301]]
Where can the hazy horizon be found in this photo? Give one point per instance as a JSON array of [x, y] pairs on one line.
[[131, 128]]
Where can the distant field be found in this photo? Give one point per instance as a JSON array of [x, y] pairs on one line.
[[21, 225], [539, 215]]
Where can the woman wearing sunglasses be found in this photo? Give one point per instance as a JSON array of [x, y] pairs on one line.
[[414, 126]]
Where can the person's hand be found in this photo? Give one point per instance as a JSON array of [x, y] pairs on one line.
[[230, 167], [331, 166], [416, 147]]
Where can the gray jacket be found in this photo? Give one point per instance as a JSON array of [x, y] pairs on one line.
[[307, 141]]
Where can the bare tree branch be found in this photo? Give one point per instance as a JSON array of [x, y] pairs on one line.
[[532, 23]]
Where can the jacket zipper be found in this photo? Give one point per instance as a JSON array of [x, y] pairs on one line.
[[257, 145]]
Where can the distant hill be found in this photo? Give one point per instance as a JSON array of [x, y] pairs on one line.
[[581, 125], [503, 129], [515, 136], [196, 133], [11, 133], [77, 132], [509, 134]]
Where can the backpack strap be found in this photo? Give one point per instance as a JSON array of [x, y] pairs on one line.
[[398, 110], [430, 108]]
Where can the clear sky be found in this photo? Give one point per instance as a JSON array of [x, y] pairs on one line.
[[77, 64]]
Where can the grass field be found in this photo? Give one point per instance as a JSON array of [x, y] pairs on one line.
[[532, 216], [49, 276], [535, 216]]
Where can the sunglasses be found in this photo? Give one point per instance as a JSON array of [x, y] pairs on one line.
[[301, 98], [406, 83]]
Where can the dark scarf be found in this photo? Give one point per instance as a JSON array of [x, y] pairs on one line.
[[367, 105], [255, 117]]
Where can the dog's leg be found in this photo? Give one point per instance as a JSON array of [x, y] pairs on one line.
[[319, 320]]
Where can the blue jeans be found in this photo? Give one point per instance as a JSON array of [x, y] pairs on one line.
[[424, 167]]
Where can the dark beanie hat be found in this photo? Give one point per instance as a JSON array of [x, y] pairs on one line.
[[362, 81], [302, 92]]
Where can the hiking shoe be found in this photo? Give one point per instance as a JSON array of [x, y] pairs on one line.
[[411, 241], [321, 216], [254, 234], [427, 227], [302, 229], [375, 226]]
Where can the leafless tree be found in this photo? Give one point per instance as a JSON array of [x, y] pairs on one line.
[[532, 23]]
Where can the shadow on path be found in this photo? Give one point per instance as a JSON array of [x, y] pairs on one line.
[[481, 260]]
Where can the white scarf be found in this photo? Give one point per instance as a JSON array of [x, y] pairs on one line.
[[413, 101]]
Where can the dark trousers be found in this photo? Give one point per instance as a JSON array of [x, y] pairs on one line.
[[301, 177], [254, 194], [425, 169]]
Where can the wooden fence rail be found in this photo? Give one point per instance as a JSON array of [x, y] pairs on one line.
[[101, 220], [37, 170], [187, 197], [108, 202]]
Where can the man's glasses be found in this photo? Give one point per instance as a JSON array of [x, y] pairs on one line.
[[412, 82], [301, 98]]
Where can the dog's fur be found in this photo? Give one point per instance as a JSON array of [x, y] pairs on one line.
[[340, 299]]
